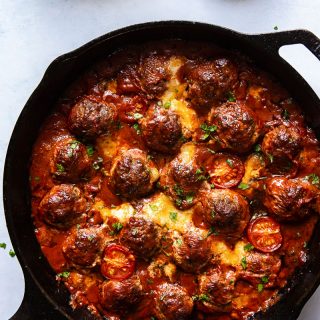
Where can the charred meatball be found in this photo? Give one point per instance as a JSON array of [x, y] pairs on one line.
[[141, 236], [282, 142], [63, 206], [209, 81], [90, 118], [120, 295], [260, 265], [70, 161], [83, 247], [236, 126], [289, 199], [132, 174], [218, 287], [173, 303], [161, 129], [191, 251], [149, 76], [226, 210], [182, 177]]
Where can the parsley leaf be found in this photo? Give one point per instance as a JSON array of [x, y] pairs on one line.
[[173, 215], [60, 167], [275, 28], [248, 247], [189, 198], [3, 245], [201, 297], [12, 253], [117, 227], [64, 274], [167, 105], [270, 156], [179, 242], [231, 97], [244, 263], [153, 207], [243, 186], [137, 128], [207, 130], [90, 151], [257, 148], [211, 231], [137, 116], [265, 279], [260, 287], [285, 114], [230, 163], [314, 178]]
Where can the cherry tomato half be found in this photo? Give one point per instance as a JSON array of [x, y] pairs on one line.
[[118, 262], [225, 170], [132, 109], [264, 234]]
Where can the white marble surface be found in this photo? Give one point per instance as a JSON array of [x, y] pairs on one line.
[[33, 33]]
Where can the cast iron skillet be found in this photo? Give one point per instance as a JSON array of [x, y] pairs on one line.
[[46, 300]]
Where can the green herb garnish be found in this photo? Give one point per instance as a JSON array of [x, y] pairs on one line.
[[208, 130], [3, 245], [167, 105], [231, 97], [248, 247], [244, 263], [173, 215], [90, 151], [137, 128], [243, 186], [60, 167], [12, 253], [260, 287], [230, 163], [64, 274], [137, 116]]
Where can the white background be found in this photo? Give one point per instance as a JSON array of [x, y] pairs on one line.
[[33, 33]]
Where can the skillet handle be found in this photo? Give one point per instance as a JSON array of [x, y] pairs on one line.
[[34, 305], [274, 41]]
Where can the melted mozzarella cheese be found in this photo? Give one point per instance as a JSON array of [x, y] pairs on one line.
[[109, 145]]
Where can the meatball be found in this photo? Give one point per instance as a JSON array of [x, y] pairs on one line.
[[121, 295], [282, 142], [172, 302], [83, 247], [141, 236], [149, 77], [182, 177], [288, 199], [237, 128], [209, 81], [70, 161], [260, 265], [191, 251], [90, 118], [218, 287], [226, 210], [132, 174], [161, 129], [63, 206]]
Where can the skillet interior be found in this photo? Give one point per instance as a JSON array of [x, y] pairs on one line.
[[63, 71]]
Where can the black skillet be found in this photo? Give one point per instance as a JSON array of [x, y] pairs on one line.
[[46, 300]]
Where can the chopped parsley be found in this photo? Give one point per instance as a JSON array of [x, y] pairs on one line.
[[90, 151], [211, 231], [212, 186], [211, 151], [230, 163], [179, 242], [189, 198], [173, 216], [243, 186], [285, 114], [97, 164], [200, 175], [178, 190], [137, 116], [64, 274], [167, 105], [231, 97], [244, 263], [208, 130], [3, 245], [275, 28], [248, 247], [178, 202], [117, 227], [265, 279], [60, 167], [12, 253], [257, 148], [201, 297], [137, 128], [260, 287], [313, 178], [153, 207], [270, 156]]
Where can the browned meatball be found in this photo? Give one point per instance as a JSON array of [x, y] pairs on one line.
[[237, 128], [191, 251], [121, 295], [226, 210], [132, 174], [282, 142], [209, 81], [83, 247], [161, 129], [173, 303], [63, 206], [90, 118], [289, 199], [141, 236], [149, 77], [216, 289], [70, 161], [260, 265]]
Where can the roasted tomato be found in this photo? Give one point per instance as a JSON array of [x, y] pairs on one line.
[[264, 233], [225, 170], [132, 109], [118, 262]]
